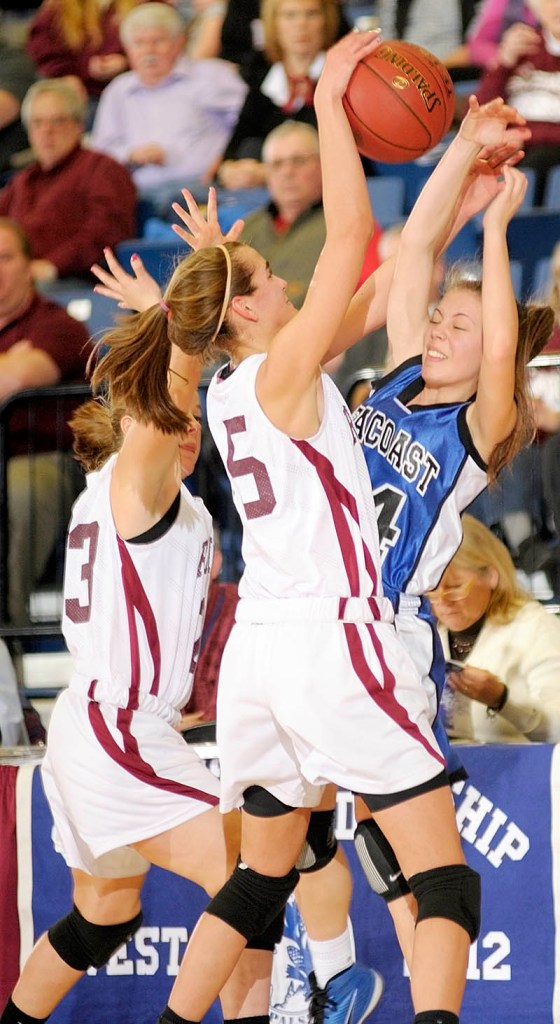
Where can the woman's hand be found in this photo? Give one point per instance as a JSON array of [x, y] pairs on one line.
[[245, 173], [137, 291], [201, 231], [507, 200], [341, 60], [485, 180], [495, 125], [477, 684], [518, 41]]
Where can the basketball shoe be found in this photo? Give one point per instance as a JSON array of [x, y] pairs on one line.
[[348, 998]]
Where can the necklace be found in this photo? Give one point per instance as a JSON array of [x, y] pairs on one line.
[[462, 642]]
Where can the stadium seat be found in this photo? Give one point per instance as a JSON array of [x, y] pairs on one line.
[[541, 276], [413, 176], [387, 197], [95, 311], [158, 255], [532, 235], [551, 198]]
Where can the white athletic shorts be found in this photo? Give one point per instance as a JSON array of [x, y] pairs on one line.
[[101, 806], [305, 699], [416, 636]]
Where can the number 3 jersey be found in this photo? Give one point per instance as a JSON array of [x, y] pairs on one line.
[[133, 611], [424, 471], [309, 526]]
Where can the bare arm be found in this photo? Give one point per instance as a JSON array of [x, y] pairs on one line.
[[287, 381], [24, 366], [146, 477], [368, 309], [492, 415], [496, 125]]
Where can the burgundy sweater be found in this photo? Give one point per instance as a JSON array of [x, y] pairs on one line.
[[53, 56], [71, 212], [535, 82]]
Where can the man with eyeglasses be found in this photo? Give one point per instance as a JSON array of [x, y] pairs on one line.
[[70, 201], [290, 231]]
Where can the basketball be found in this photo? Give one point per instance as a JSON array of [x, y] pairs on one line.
[[400, 102]]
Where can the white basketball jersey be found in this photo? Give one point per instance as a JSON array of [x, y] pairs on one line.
[[309, 526], [133, 612]]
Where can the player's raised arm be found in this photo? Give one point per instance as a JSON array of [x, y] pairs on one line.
[[494, 125], [494, 411], [296, 351]]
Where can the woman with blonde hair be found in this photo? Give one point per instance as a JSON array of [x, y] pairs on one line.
[[79, 40], [509, 644], [296, 35]]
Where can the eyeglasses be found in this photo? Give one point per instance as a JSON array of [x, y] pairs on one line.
[[299, 160], [451, 594], [50, 122]]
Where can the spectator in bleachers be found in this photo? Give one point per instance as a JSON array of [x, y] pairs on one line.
[[40, 345], [168, 118], [493, 19], [243, 36], [551, 448], [290, 231], [527, 75], [296, 35], [203, 20], [509, 644], [440, 27], [70, 200], [16, 75], [11, 714], [79, 39]]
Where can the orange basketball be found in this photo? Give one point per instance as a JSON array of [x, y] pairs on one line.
[[400, 102]]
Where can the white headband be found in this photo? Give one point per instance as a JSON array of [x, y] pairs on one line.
[[225, 303]]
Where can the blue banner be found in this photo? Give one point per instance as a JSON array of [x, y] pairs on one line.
[[507, 815]]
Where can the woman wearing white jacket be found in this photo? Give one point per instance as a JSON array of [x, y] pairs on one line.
[[508, 643]]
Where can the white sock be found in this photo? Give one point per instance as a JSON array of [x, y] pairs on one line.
[[331, 956]]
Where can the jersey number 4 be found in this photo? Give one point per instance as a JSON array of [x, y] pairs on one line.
[[388, 503]]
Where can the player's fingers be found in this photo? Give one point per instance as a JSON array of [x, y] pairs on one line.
[[212, 207], [183, 214], [109, 293], [102, 275], [235, 231], [115, 267], [185, 236]]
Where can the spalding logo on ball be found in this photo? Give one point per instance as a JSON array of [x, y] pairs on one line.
[[400, 102]]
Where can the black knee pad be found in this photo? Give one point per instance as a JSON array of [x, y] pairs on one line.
[[271, 935], [249, 901], [320, 844], [451, 891], [82, 944], [379, 862]]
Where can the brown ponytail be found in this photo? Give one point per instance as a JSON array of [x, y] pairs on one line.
[[97, 433], [135, 369], [536, 323]]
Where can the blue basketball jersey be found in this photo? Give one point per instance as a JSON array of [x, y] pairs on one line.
[[424, 471]]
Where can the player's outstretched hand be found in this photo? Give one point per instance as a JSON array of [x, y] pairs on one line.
[[137, 291], [341, 60], [495, 124], [508, 199], [485, 180], [200, 231]]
